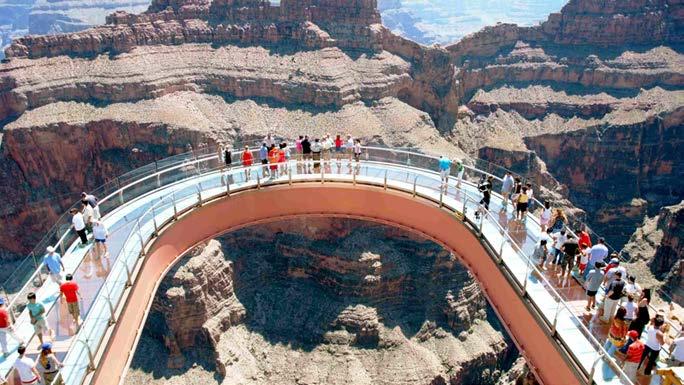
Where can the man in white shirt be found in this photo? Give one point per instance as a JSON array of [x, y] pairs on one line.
[[269, 141], [610, 274], [558, 240], [78, 224], [506, 188], [26, 368]]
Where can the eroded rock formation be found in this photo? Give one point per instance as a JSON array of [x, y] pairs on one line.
[[657, 246], [553, 101], [289, 302]]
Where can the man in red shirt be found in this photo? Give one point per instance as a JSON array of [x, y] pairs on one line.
[[69, 290], [6, 328], [632, 350]]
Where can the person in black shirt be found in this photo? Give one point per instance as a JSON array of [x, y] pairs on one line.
[[227, 157], [570, 249], [614, 293], [306, 152], [485, 188]]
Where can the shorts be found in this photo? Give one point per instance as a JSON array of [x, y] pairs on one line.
[[567, 260], [100, 240], [544, 221], [338, 149], [592, 293], [40, 326], [444, 173], [357, 157], [264, 161], [522, 206], [74, 309]]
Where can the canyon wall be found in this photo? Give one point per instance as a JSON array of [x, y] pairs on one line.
[[324, 300], [657, 245], [593, 94], [548, 95]]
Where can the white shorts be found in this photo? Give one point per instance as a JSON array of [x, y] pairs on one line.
[[444, 173]]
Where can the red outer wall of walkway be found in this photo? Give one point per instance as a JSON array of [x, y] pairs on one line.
[[364, 202]]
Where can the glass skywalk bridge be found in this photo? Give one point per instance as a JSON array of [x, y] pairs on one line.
[[140, 204]]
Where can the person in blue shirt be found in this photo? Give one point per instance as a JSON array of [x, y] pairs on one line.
[[53, 262], [444, 170]]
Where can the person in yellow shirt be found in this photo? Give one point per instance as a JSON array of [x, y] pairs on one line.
[[521, 204]]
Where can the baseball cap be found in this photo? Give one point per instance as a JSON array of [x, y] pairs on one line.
[[614, 260], [633, 334], [46, 346]]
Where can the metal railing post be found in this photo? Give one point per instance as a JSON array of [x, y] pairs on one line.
[[154, 221], [503, 242], [527, 273], [593, 366], [121, 198], [60, 241], [258, 181], [112, 316], [199, 197], [322, 172], [385, 182], [354, 177], [38, 266], [227, 186], [415, 184], [129, 275], [289, 176], [555, 317], [140, 237], [441, 198], [175, 208], [91, 357], [158, 179]]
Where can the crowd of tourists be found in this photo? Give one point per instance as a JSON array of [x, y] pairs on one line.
[[274, 155], [624, 305], [85, 220]]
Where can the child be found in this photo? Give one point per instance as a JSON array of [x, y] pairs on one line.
[[631, 308], [584, 258]]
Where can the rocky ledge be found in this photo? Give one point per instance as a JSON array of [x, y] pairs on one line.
[[291, 302]]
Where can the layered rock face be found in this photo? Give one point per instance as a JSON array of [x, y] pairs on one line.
[[657, 245], [21, 17], [548, 100], [116, 111], [591, 98], [294, 302]]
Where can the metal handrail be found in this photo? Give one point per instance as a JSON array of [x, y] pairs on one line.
[[257, 167]]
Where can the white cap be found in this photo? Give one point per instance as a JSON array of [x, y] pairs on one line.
[[50, 249]]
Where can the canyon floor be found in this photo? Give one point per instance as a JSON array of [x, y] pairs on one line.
[[321, 301]]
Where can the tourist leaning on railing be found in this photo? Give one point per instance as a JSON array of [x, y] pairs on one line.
[[54, 265]]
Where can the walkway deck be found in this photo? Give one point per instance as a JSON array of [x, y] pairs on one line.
[[91, 272]]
